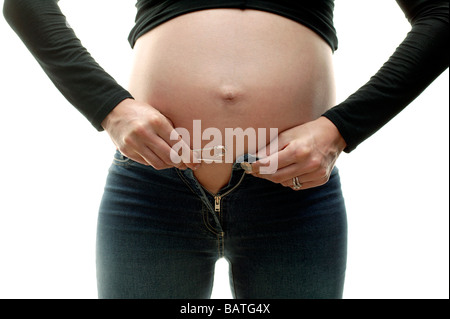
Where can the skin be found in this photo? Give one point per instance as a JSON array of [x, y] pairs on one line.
[[231, 68], [308, 151]]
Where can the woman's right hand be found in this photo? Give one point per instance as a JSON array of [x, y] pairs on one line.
[[143, 134]]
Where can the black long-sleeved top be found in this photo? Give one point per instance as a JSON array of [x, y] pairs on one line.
[[416, 63]]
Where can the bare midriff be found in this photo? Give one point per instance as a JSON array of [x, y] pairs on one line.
[[232, 68]]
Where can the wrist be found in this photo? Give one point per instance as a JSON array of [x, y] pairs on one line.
[[116, 113], [333, 133]]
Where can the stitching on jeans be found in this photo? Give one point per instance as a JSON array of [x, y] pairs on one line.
[[205, 209], [205, 212], [221, 244], [221, 236], [186, 182], [124, 163]]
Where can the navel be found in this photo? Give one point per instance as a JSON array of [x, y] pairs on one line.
[[230, 94]]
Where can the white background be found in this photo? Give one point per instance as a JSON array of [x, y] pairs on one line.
[[53, 166]]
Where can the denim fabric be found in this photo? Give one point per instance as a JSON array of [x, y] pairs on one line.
[[160, 234]]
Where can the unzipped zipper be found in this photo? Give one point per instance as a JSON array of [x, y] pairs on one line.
[[217, 202], [218, 198]]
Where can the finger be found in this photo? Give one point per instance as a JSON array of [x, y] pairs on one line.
[[268, 165], [307, 181], [290, 182], [153, 159], [183, 159], [268, 157], [146, 158], [164, 152], [277, 144], [285, 175], [180, 150], [307, 185], [294, 183], [282, 159], [156, 147], [135, 157], [177, 160]]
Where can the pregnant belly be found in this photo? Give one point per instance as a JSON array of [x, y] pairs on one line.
[[230, 71]]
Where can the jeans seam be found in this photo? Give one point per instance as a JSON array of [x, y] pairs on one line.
[[221, 236], [186, 183], [202, 196], [221, 244], [205, 212]]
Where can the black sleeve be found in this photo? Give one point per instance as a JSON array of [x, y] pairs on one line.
[[416, 63], [44, 30]]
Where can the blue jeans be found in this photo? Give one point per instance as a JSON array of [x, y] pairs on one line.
[[160, 234]]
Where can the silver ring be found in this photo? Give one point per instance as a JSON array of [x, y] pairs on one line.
[[297, 184]]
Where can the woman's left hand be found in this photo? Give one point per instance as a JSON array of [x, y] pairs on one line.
[[306, 155]]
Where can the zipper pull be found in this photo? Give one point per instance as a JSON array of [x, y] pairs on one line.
[[217, 200]]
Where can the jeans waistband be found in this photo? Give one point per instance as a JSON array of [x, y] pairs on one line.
[[236, 175]]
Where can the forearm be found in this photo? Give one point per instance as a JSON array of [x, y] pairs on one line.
[[44, 30], [417, 62]]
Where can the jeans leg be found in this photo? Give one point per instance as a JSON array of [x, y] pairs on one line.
[[151, 240], [286, 244]]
